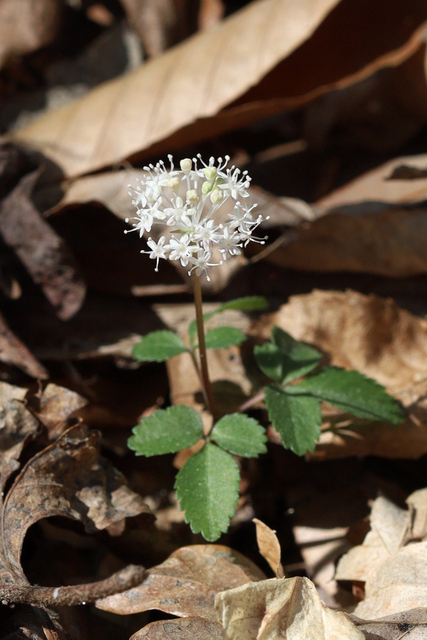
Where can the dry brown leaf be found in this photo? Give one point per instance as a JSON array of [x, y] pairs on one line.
[[269, 546], [289, 608], [260, 71], [26, 25], [398, 181], [55, 405], [133, 113], [186, 583], [367, 238], [190, 629], [409, 625], [374, 336], [393, 567]]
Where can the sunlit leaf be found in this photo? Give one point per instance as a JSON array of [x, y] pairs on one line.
[[166, 431], [241, 435], [296, 418], [353, 392], [207, 487]]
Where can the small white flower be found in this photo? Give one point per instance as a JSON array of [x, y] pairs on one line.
[[157, 250], [145, 222], [180, 249], [229, 243], [201, 264], [234, 185]]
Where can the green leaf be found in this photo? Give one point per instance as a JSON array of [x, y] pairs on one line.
[[284, 358], [159, 346], [207, 487], [296, 418], [248, 303], [166, 431], [223, 337], [240, 435], [352, 392]]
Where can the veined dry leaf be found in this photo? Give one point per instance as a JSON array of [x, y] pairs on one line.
[[408, 625], [185, 629], [394, 571], [289, 608], [186, 583], [251, 65], [269, 546], [371, 335], [26, 25]]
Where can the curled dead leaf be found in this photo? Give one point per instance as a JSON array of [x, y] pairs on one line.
[[393, 567], [269, 546], [288, 608]]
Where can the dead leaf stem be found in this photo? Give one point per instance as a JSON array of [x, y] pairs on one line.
[[122, 580]]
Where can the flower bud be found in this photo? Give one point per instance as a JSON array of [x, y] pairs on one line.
[[173, 184], [192, 196], [186, 165], [210, 173], [206, 188], [216, 196]]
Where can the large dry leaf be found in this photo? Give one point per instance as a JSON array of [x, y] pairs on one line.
[[190, 579], [374, 336], [368, 238], [393, 567], [257, 61], [288, 608]]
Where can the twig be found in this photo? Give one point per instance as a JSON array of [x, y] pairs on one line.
[[122, 580]]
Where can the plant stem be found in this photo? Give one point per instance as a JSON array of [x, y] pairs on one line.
[[206, 383]]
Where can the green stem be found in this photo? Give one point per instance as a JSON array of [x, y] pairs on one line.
[[206, 383]]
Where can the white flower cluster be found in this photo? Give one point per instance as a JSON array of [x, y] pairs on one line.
[[187, 200]]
